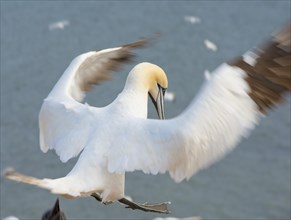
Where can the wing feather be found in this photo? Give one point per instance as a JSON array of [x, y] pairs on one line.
[[64, 122], [226, 109], [93, 68], [211, 126], [65, 127], [98, 67], [270, 72]]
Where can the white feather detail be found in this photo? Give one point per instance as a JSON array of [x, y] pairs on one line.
[[65, 124], [63, 128], [210, 127]]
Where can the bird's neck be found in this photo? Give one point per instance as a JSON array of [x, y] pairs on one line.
[[134, 97], [132, 101]]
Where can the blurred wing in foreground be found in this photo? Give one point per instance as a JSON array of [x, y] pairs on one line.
[[227, 108]]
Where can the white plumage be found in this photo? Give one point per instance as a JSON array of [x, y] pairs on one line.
[[211, 125], [119, 138]]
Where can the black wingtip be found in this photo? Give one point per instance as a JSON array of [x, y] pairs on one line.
[[142, 42], [269, 76]]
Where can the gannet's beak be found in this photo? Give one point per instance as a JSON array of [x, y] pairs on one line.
[[159, 102]]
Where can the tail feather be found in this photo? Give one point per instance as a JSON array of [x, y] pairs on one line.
[[11, 174], [64, 186], [50, 184]]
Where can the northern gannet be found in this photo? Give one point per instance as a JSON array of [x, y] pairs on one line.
[[119, 138]]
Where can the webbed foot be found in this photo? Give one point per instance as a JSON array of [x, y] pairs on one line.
[[98, 198], [159, 207]]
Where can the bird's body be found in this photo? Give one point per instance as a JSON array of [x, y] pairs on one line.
[[119, 138], [101, 131]]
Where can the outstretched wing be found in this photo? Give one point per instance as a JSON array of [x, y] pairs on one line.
[[64, 121], [93, 68], [227, 108]]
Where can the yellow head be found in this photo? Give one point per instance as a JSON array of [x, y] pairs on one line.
[[153, 79]]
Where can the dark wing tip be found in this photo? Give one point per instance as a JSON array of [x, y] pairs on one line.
[[269, 75], [102, 65], [126, 53], [283, 37], [142, 42], [145, 41]]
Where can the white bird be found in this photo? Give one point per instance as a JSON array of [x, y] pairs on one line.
[[210, 45], [119, 138], [192, 19], [169, 96], [59, 25]]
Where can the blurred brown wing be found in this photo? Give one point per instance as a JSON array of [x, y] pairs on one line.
[[98, 67], [268, 69]]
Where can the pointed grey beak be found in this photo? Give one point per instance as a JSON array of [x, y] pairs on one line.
[[159, 102]]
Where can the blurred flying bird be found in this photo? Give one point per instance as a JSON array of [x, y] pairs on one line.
[[59, 25], [55, 213], [192, 19], [169, 96], [119, 138], [210, 45]]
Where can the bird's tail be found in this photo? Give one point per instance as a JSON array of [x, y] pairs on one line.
[[11, 174], [67, 187], [56, 186]]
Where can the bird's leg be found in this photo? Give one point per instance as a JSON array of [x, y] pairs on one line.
[[159, 208], [98, 198]]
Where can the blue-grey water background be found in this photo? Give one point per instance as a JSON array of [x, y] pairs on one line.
[[251, 182]]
